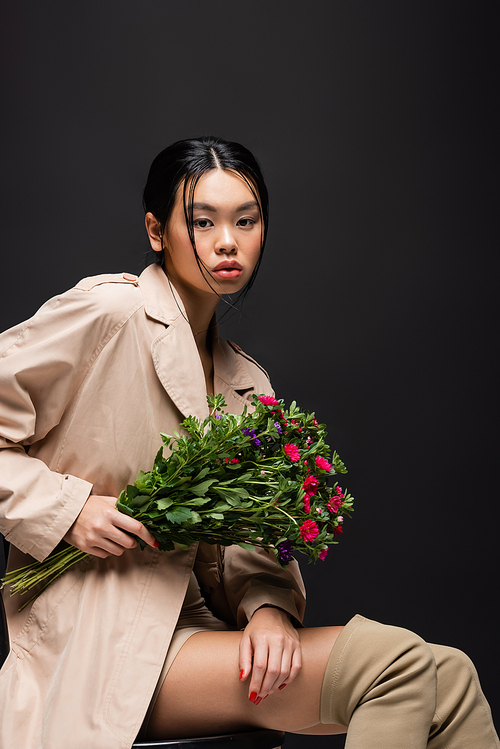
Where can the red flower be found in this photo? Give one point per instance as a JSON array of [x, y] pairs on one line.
[[293, 452], [310, 485], [309, 530], [334, 504], [307, 503], [338, 530], [322, 554], [268, 400], [323, 463]]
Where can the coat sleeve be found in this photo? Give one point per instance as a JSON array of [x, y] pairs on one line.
[[253, 579], [43, 363]]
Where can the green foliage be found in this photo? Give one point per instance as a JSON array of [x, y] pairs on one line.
[[233, 479], [230, 480]]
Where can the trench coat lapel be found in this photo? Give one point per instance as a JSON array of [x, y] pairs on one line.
[[230, 376], [176, 358]]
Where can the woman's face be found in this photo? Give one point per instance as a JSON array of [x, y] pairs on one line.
[[227, 230]]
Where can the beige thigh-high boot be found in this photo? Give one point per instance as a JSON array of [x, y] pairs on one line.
[[463, 716], [382, 682]]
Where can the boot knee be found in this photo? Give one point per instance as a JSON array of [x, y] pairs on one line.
[[373, 661]]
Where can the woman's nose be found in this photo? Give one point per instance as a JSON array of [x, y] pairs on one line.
[[225, 241]]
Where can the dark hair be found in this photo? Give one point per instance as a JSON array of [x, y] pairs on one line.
[[184, 162]]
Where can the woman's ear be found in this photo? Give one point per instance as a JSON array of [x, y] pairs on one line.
[[154, 231]]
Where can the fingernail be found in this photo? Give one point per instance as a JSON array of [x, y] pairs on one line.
[[156, 544], [242, 673], [252, 697], [282, 686], [257, 701]]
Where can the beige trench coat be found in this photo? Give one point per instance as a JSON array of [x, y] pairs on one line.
[[86, 387]]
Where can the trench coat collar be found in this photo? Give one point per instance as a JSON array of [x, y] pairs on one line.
[[175, 354]]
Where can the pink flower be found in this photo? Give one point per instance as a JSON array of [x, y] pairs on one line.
[[340, 493], [322, 554], [323, 463], [337, 531], [310, 485], [333, 504], [309, 530], [268, 400], [293, 452], [307, 503]]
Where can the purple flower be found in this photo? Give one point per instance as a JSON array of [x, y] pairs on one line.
[[278, 427], [285, 551], [217, 416], [251, 433]]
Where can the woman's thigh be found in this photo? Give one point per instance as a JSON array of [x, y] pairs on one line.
[[202, 694]]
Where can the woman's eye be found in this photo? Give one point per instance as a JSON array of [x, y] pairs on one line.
[[244, 222], [202, 223]]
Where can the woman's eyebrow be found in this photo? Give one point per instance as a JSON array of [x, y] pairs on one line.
[[207, 207]]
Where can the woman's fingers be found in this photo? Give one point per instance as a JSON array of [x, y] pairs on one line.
[[100, 529], [120, 520], [246, 652], [270, 647], [267, 673]]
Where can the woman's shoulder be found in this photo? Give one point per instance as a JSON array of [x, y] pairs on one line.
[[90, 309]]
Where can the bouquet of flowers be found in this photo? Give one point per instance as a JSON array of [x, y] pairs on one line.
[[261, 478]]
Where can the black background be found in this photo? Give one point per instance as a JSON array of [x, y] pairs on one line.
[[376, 301]]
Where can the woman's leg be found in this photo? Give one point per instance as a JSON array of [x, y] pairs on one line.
[[202, 694], [392, 689]]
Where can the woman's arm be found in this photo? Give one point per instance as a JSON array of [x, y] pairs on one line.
[[43, 363]]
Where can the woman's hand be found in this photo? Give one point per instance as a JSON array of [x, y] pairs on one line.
[[101, 530], [270, 651]]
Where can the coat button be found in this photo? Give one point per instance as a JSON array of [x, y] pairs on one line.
[[129, 277]]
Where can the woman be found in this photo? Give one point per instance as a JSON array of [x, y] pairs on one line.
[[124, 644]]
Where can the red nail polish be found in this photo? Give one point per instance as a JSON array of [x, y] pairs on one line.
[[156, 544], [252, 697], [257, 701], [242, 673], [282, 686]]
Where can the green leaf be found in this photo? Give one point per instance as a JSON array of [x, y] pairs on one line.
[[178, 514], [132, 491], [123, 508], [163, 503], [143, 482], [197, 502], [140, 501], [202, 474], [201, 489]]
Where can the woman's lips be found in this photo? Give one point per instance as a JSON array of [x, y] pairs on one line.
[[228, 270]]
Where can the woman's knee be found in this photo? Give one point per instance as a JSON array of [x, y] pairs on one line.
[[371, 660], [453, 667]]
